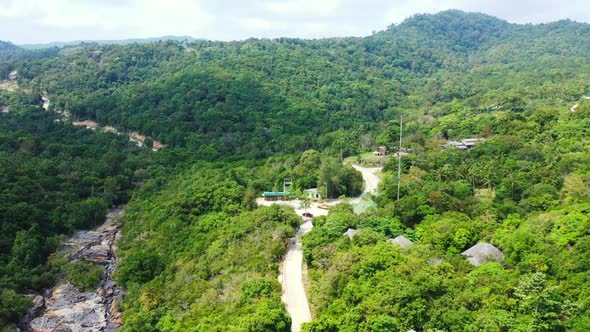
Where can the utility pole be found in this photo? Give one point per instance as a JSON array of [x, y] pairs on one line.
[[399, 155]]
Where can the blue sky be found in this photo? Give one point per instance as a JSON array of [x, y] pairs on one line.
[[35, 21]]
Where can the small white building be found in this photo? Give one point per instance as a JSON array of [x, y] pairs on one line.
[[313, 193], [380, 151]]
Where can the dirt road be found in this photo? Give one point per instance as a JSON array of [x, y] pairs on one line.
[[371, 179], [291, 276], [576, 105], [363, 202], [134, 137], [45, 102]]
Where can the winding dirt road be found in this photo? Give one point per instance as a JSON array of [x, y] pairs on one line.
[[371, 179], [134, 136], [576, 105], [291, 276]]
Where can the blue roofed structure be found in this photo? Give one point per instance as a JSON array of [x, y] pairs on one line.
[[276, 195]]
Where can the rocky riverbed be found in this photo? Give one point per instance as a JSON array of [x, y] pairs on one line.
[[67, 308]]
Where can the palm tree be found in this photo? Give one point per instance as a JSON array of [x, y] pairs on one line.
[[448, 172]]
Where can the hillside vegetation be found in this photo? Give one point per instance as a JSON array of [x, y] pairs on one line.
[[54, 179], [238, 117]]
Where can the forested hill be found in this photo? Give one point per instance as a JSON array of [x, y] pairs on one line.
[[239, 117], [263, 96], [454, 30], [7, 46]]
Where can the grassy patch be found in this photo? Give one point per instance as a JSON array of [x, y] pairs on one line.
[[368, 159]]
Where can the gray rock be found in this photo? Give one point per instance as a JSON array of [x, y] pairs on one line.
[[99, 254], [36, 309], [67, 308]]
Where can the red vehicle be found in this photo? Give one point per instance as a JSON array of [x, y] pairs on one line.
[[307, 215]]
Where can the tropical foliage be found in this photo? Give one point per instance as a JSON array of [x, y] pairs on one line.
[[239, 117]]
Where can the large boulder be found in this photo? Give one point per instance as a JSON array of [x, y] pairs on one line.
[[99, 254]]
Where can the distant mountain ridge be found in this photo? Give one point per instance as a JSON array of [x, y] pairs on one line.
[[106, 42], [452, 28], [7, 46]]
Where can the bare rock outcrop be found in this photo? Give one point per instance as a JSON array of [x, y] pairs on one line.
[[67, 308]]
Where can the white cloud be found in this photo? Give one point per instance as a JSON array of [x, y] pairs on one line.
[[10, 8], [260, 24], [303, 7], [170, 17], [146, 18], [405, 9]]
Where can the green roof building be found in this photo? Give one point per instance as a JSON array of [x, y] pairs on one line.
[[276, 195]]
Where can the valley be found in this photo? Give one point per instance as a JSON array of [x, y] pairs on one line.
[[199, 139]]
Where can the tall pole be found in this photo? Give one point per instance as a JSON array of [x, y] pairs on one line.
[[399, 156]]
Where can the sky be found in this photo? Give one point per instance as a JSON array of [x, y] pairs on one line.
[[41, 21]]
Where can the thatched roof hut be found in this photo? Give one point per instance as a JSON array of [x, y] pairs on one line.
[[401, 241], [351, 232], [482, 253]]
